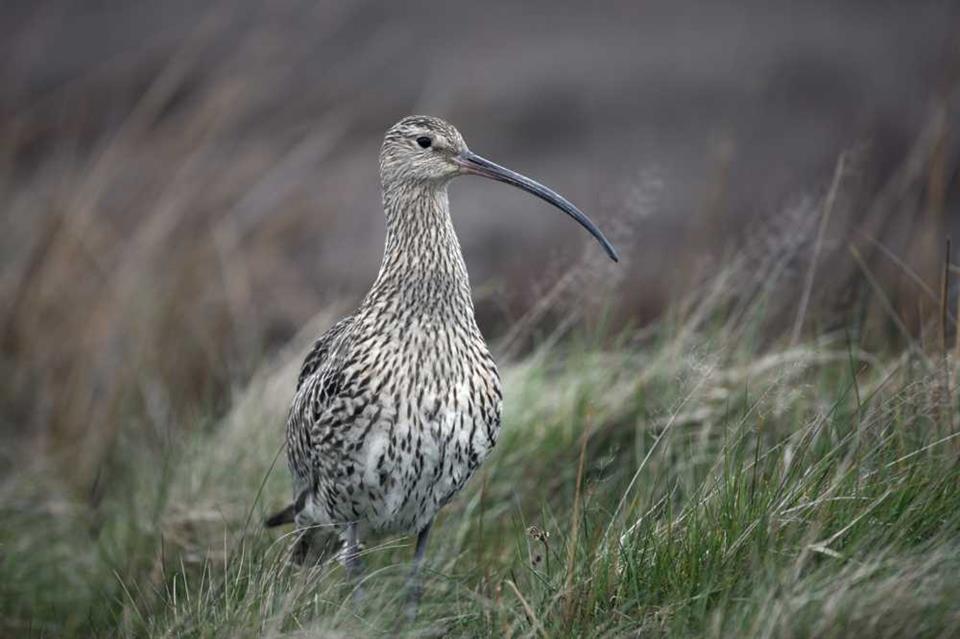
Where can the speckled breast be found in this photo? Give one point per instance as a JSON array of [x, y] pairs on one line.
[[404, 445]]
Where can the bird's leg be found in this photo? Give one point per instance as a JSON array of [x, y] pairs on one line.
[[301, 550], [414, 581], [351, 559]]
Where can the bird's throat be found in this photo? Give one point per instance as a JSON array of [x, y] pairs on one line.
[[422, 255]]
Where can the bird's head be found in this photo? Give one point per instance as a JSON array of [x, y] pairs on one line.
[[429, 152], [421, 149]]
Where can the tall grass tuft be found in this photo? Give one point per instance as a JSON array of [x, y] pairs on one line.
[[700, 478]]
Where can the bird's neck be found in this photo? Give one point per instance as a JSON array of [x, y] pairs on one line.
[[422, 267]]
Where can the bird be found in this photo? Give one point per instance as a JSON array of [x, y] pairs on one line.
[[398, 404]]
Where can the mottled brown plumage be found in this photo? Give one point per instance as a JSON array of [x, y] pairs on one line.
[[398, 404]]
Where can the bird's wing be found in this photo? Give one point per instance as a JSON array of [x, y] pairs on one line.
[[321, 349], [317, 371]]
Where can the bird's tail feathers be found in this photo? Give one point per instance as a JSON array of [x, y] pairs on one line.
[[289, 514], [285, 516]]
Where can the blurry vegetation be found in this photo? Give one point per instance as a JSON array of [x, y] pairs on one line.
[[699, 477], [748, 427]]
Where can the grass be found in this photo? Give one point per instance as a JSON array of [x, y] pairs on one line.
[[688, 482]]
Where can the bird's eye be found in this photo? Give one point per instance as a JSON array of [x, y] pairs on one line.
[[424, 142]]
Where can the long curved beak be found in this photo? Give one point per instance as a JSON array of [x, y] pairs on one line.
[[474, 164]]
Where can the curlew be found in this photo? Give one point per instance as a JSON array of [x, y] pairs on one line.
[[398, 404]]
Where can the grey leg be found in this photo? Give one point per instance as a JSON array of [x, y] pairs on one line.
[[351, 559], [414, 582]]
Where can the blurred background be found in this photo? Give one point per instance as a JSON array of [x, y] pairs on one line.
[[185, 185]]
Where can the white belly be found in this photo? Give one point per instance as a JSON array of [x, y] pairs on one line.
[[390, 460], [419, 465]]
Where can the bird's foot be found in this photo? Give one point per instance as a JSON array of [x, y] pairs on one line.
[[414, 590], [352, 563], [358, 595]]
